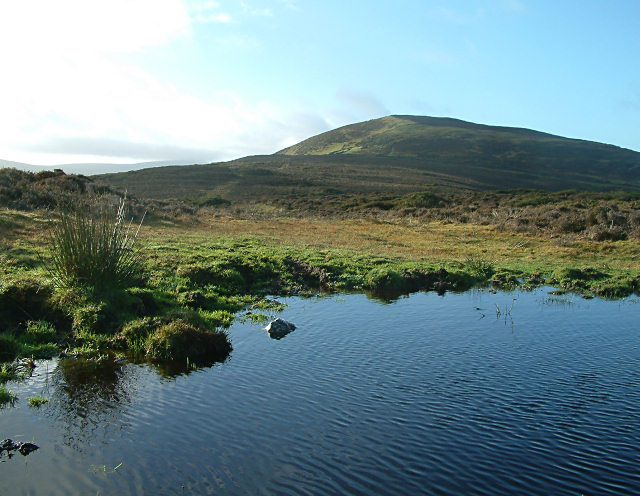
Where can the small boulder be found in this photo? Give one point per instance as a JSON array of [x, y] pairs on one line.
[[277, 329]]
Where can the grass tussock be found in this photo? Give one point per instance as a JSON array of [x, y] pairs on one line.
[[8, 372], [38, 401], [178, 340], [96, 251], [40, 332], [175, 339], [7, 397]]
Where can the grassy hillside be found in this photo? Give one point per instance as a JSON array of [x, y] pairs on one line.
[[524, 154], [400, 154]]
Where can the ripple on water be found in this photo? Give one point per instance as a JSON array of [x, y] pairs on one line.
[[418, 397]]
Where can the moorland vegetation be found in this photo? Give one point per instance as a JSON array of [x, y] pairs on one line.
[[221, 241], [399, 155]]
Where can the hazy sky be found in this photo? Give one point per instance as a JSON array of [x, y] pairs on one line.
[[140, 80]]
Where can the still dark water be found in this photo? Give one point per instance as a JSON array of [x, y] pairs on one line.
[[426, 395]]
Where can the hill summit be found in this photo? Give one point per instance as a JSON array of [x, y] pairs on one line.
[[407, 136], [456, 143], [400, 154]]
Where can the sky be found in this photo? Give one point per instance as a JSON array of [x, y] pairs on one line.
[[198, 81]]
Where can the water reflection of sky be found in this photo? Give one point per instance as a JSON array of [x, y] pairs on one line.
[[417, 394]]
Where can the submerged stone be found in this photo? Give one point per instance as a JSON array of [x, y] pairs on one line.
[[279, 328]]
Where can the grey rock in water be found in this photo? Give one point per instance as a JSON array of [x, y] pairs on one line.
[[279, 328]]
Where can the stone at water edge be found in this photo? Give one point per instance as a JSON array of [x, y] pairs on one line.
[[279, 328]]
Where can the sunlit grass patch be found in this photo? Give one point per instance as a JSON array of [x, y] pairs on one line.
[[38, 401], [40, 332]]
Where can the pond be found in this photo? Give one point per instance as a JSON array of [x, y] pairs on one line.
[[473, 393]]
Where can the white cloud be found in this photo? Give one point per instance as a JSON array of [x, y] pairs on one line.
[[239, 42], [95, 109], [74, 26], [290, 4], [67, 96], [249, 9], [209, 12], [223, 18]]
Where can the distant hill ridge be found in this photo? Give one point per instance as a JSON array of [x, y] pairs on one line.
[[399, 154], [408, 135]]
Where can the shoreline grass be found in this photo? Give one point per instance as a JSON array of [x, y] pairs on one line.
[[7, 397], [197, 277], [431, 243]]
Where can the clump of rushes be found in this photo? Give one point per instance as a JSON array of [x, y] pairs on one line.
[[479, 268], [95, 251], [39, 332], [7, 397], [8, 372], [38, 401]]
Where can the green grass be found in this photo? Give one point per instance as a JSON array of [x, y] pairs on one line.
[[396, 170], [38, 401], [8, 372], [197, 277], [94, 250], [39, 332], [7, 397], [386, 207]]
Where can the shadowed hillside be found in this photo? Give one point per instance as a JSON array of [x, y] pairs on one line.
[[400, 154]]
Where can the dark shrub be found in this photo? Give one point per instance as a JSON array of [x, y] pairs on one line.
[[8, 348], [307, 274], [504, 280], [422, 199], [480, 268], [571, 224], [601, 233], [215, 202], [192, 299]]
